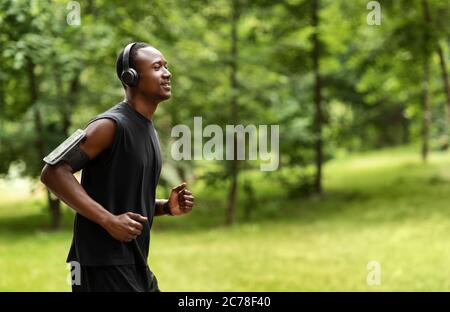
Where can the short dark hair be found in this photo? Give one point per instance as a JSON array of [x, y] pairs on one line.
[[133, 52]]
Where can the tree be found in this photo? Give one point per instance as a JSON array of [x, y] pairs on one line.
[[317, 96]]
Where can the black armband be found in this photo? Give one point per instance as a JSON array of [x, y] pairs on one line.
[[70, 152], [76, 158]]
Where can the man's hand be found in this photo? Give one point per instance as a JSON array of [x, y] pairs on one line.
[[181, 200], [125, 227]]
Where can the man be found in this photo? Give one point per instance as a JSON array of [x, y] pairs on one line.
[[121, 162]]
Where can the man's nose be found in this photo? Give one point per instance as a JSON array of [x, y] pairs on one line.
[[167, 73]]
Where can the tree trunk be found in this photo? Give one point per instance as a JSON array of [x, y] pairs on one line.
[[69, 106], [442, 62], [444, 77], [426, 111], [250, 202], [426, 82], [317, 128], [53, 204], [34, 96], [2, 100], [447, 93], [55, 210], [234, 168], [181, 172], [405, 128]]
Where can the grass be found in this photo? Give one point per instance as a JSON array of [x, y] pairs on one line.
[[385, 206]]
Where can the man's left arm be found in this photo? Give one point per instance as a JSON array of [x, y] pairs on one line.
[[181, 201]]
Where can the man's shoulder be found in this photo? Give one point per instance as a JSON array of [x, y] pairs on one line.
[[117, 110], [116, 113]]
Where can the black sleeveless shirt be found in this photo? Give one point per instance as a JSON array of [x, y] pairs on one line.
[[122, 178]]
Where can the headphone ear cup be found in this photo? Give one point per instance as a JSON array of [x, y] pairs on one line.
[[130, 77]]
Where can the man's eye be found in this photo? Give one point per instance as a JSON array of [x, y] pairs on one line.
[[157, 67]]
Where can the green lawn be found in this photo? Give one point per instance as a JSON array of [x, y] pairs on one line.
[[385, 206]]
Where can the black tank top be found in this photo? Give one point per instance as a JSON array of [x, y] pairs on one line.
[[122, 178]]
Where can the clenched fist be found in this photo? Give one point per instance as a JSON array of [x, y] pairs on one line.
[[181, 201], [125, 227]]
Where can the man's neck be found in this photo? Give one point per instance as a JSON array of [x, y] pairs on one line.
[[141, 105]]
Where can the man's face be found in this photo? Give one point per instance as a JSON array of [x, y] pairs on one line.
[[154, 76]]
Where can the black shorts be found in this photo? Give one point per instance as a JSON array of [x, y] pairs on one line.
[[116, 278]]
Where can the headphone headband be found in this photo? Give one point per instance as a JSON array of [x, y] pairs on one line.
[[126, 56]]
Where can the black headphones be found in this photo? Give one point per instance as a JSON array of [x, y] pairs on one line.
[[129, 75]]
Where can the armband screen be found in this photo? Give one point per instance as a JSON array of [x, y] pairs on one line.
[[70, 152]]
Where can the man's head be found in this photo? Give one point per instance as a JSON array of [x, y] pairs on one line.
[[151, 67]]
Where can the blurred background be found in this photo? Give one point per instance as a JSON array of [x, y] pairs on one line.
[[360, 90]]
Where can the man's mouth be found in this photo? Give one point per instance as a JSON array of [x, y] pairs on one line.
[[166, 85]]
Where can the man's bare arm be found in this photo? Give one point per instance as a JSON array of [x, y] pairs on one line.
[[59, 180]]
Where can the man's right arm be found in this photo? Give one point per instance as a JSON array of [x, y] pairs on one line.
[[60, 181]]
